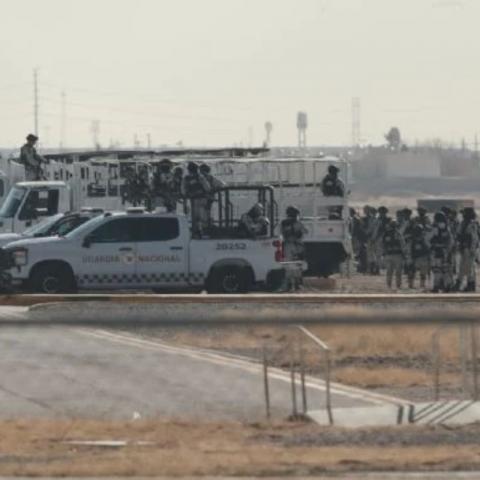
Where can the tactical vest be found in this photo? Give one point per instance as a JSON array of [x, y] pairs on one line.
[[391, 244], [193, 187], [419, 247], [330, 187], [464, 237], [440, 243]]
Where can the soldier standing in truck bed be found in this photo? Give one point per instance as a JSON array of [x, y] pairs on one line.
[[31, 160]]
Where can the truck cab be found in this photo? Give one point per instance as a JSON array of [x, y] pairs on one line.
[[27, 203]]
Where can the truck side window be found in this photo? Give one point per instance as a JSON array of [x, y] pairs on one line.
[[157, 229], [117, 230]]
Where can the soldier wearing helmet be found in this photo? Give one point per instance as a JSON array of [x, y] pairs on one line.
[[31, 160], [254, 224], [422, 217], [419, 255], [368, 225], [293, 232], [442, 243], [393, 253], [382, 220], [468, 242], [163, 186], [214, 185], [332, 186], [196, 189]]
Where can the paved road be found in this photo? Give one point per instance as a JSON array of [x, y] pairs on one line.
[[62, 371]]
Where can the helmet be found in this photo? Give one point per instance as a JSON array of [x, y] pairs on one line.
[[407, 212], [204, 168], [257, 209], [383, 210], [353, 212], [192, 167], [292, 211], [178, 171], [332, 169], [445, 210], [439, 217], [366, 209], [421, 210], [165, 165], [31, 137], [469, 213]]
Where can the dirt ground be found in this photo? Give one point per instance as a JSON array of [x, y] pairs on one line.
[[40, 448]]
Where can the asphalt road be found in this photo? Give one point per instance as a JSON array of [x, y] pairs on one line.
[[62, 371]]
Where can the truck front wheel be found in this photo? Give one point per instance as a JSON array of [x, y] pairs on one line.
[[229, 280], [52, 279]]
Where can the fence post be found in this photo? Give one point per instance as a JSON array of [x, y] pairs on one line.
[[327, 387], [473, 340], [463, 358], [436, 366], [265, 382], [292, 378], [302, 375]]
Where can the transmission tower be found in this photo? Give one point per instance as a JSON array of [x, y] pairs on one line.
[[63, 120], [302, 124], [268, 133], [355, 121]]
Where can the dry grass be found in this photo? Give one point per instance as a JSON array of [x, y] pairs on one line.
[[179, 449]]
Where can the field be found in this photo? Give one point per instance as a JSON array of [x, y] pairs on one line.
[[40, 448]]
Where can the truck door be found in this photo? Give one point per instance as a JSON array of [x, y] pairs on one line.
[[38, 204], [107, 257], [161, 252]]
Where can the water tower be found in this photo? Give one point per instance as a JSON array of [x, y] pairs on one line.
[[302, 124]]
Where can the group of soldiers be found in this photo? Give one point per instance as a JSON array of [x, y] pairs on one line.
[[444, 248], [170, 185]]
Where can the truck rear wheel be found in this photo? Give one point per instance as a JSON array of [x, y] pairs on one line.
[[229, 280], [52, 279]]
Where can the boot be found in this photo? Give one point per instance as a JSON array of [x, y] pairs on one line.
[[457, 285]]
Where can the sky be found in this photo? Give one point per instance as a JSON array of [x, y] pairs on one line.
[[212, 72]]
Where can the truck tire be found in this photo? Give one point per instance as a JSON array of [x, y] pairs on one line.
[[53, 278], [229, 280]]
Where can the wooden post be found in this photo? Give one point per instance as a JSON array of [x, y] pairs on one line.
[[302, 378], [265, 383]]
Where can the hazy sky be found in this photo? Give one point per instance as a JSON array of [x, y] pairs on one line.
[[208, 71]]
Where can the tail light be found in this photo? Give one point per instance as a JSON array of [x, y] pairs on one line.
[[279, 252]]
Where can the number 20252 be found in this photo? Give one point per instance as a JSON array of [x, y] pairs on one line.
[[232, 246]]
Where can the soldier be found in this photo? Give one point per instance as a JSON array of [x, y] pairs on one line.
[[422, 217], [467, 246], [382, 220], [254, 224], [441, 242], [419, 255], [31, 160], [393, 253], [368, 223], [454, 225], [332, 186], [214, 186], [178, 194], [163, 186], [197, 189], [293, 232], [355, 228]]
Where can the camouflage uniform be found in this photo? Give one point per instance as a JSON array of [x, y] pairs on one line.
[[30, 159], [293, 231], [163, 187], [441, 242], [419, 255], [214, 186], [254, 224], [468, 244], [393, 253]]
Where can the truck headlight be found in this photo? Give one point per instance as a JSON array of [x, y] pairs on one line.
[[20, 257]]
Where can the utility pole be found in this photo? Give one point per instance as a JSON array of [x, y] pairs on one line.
[[355, 122], [63, 120], [35, 101]]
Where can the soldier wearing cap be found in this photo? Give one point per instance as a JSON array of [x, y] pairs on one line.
[[196, 188], [31, 160], [254, 224], [293, 232], [467, 241]]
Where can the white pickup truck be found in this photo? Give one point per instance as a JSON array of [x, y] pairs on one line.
[[138, 250]]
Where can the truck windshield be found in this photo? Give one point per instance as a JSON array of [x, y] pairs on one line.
[[43, 226], [12, 202]]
